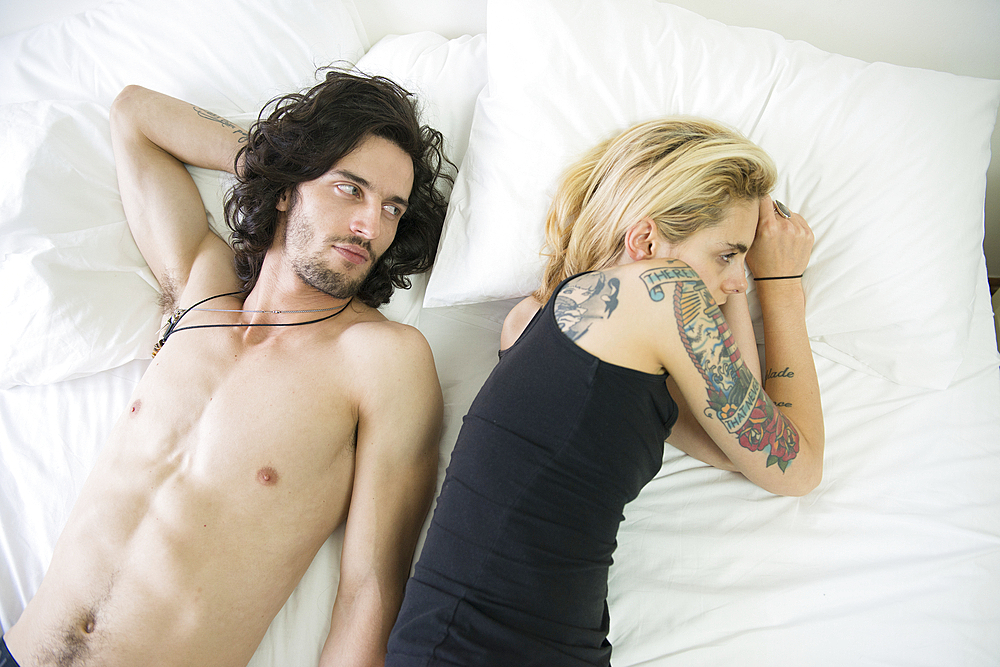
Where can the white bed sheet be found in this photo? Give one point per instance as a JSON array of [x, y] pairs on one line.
[[894, 560]]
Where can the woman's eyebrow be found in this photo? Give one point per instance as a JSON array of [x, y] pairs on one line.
[[738, 247]]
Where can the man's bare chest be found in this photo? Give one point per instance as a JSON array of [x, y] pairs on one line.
[[265, 418]]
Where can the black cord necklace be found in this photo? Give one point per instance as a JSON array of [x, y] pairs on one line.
[[171, 326]]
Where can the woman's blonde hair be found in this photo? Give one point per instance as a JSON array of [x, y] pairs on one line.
[[683, 173]]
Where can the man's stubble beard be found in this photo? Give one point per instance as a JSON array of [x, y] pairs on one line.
[[314, 270]]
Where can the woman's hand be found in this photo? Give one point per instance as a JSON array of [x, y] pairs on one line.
[[782, 246]]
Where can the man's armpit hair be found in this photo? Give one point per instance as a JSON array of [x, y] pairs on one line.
[[167, 300]]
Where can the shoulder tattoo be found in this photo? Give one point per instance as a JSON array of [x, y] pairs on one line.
[[583, 301], [735, 397]]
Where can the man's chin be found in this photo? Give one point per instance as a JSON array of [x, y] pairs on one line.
[[336, 285]]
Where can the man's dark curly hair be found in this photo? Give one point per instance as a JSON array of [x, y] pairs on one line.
[[302, 136]]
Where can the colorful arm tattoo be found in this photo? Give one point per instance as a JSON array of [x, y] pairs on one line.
[[735, 397]]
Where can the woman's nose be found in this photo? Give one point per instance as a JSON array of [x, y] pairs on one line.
[[737, 283]]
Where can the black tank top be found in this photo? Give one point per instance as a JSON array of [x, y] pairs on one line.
[[514, 570]]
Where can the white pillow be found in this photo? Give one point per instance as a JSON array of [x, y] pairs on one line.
[[446, 75], [887, 163], [76, 295], [222, 54]]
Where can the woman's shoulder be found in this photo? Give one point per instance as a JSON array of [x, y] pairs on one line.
[[516, 321]]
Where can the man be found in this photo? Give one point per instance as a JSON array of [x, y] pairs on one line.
[[277, 409]]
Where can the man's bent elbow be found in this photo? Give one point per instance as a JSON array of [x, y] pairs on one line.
[[125, 107]]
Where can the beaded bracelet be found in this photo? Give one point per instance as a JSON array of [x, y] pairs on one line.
[[778, 277]]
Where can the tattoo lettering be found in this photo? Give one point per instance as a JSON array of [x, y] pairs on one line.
[[208, 115], [583, 301], [657, 278], [735, 397], [779, 374]]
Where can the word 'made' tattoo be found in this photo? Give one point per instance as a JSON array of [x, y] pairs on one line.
[[735, 397], [583, 301], [208, 115], [771, 373]]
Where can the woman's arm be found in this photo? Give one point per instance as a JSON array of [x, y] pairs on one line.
[[688, 435], [778, 447], [781, 248], [737, 313]]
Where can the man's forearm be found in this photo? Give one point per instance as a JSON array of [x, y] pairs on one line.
[[359, 629], [189, 133]]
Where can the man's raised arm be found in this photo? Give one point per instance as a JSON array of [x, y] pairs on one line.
[[153, 136]]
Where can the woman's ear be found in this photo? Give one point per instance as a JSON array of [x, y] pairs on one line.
[[642, 240]]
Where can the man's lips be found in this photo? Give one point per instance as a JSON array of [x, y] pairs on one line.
[[352, 253]]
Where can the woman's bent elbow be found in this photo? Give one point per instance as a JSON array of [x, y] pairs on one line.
[[804, 481]]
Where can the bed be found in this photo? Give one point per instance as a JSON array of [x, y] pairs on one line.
[[893, 560]]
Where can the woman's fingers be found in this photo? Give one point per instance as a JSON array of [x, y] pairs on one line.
[[782, 245]]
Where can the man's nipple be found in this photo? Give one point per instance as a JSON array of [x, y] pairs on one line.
[[267, 476], [134, 408], [88, 623]]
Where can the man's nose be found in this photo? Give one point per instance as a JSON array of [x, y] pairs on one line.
[[367, 221]]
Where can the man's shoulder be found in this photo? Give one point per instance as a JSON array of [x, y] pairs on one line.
[[373, 330], [380, 343], [393, 364]]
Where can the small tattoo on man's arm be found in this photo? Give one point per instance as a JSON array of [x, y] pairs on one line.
[[783, 405], [216, 118], [771, 373]]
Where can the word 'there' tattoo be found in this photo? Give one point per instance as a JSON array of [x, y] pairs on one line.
[[735, 397]]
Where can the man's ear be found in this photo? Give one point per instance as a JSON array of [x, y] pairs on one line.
[[283, 201], [642, 240]]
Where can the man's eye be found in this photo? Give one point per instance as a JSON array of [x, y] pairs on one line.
[[728, 259], [349, 189], [392, 210]]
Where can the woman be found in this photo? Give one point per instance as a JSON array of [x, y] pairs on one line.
[[648, 234]]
